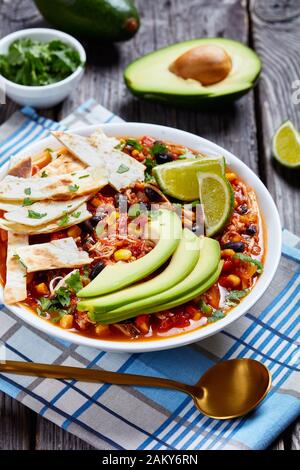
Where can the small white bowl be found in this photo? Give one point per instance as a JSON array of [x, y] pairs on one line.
[[47, 95], [272, 240]]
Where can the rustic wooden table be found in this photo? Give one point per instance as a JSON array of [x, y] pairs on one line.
[[272, 27]]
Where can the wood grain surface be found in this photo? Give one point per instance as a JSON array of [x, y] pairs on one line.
[[272, 27]]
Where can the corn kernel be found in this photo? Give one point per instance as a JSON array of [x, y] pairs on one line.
[[42, 289], [227, 253], [122, 255], [231, 176], [66, 322], [197, 316], [74, 231], [233, 280], [101, 329], [135, 153], [43, 159]]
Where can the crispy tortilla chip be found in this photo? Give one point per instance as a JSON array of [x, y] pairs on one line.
[[15, 288], [21, 168], [62, 253], [61, 165], [59, 187], [122, 170], [67, 220], [45, 211]]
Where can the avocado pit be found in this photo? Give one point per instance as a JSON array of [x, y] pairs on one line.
[[208, 64]]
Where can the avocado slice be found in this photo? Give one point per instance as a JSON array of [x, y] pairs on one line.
[[111, 20], [167, 226], [173, 303], [182, 263], [205, 268], [149, 77]]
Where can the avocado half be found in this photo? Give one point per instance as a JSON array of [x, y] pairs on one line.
[[149, 77]]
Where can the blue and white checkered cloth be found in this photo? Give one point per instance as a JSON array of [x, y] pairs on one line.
[[112, 417]]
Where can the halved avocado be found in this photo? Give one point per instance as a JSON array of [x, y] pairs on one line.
[[150, 77]]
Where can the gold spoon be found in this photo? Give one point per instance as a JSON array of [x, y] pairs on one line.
[[227, 390]]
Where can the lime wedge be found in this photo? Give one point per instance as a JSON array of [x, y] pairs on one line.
[[179, 178], [286, 145], [217, 199]]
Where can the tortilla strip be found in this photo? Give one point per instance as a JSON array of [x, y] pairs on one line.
[[63, 187], [9, 206], [62, 253], [53, 226], [15, 288], [52, 210], [61, 165], [21, 168], [122, 169]]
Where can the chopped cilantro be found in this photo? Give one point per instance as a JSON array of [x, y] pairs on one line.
[[27, 191], [234, 297], [217, 315], [36, 215], [122, 168], [27, 201], [44, 174], [73, 188], [248, 259], [204, 307], [64, 220], [74, 282], [134, 143], [17, 257], [63, 296], [158, 147], [83, 176], [76, 214]]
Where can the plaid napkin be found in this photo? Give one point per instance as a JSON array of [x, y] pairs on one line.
[[111, 417]]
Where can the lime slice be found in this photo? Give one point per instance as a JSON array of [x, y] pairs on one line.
[[179, 178], [286, 145], [217, 199]]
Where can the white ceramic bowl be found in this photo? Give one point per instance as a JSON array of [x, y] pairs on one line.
[[273, 235], [48, 95]]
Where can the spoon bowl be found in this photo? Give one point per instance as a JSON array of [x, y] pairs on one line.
[[232, 388], [227, 390]]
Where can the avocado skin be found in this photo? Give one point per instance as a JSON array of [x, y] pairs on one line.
[[190, 102], [111, 20]]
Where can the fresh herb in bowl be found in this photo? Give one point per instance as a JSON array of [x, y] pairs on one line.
[[33, 63]]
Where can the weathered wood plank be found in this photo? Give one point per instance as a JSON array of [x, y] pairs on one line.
[[275, 28], [17, 425], [51, 437]]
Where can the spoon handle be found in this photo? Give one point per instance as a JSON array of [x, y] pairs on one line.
[[90, 375]]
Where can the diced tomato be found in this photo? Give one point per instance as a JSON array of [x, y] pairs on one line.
[[228, 266], [58, 235], [142, 322], [192, 310], [147, 141], [212, 296], [165, 325], [181, 321], [34, 170]]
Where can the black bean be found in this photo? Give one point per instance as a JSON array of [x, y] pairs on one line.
[[243, 209], [96, 218], [238, 247], [87, 226], [152, 195], [251, 230], [163, 158], [97, 269]]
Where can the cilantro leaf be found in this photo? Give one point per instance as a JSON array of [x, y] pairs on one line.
[[27, 201], [83, 176], [76, 214], [44, 174], [234, 297], [73, 188], [36, 215], [74, 282], [27, 191], [134, 143], [122, 169], [158, 147], [248, 259], [63, 296], [217, 315], [64, 220]]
